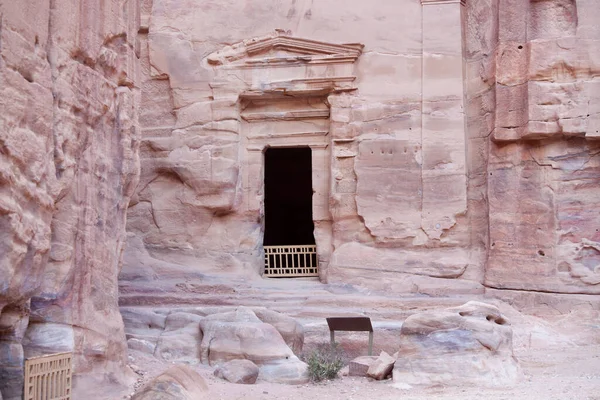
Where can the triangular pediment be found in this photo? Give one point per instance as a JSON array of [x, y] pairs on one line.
[[281, 47]]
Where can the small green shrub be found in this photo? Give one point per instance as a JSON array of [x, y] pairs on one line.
[[324, 363]]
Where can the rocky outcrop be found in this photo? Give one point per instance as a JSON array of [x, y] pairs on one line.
[[241, 335], [179, 382], [290, 330], [470, 344], [181, 338], [69, 163], [211, 336]]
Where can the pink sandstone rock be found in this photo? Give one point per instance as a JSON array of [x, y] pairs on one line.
[[381, 367], [470, 344], [179, 382], [238, 371], [360, 365], [402, 191], [454, 151], [69, 138], [241, 335]]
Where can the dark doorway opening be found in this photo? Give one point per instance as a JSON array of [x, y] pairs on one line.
[[288, 197]]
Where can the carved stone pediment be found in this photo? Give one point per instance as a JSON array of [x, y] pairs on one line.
[[282, 48], [280, 64]]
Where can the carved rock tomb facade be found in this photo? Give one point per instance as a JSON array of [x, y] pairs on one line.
[[414, 139]]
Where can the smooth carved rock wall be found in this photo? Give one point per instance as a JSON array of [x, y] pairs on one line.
[[68, 165], [398, 139]]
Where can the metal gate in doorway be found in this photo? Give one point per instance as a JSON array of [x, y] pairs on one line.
[[48, 377], [291, 261]]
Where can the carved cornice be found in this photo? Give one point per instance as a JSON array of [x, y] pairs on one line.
[[308, 134], [285, 115], [302, 87], [435, 2]]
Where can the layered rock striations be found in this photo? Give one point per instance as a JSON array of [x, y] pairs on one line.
[[69, 163], [457, 154], [544, 162], [385, 122], [466, 345], [454, 147]]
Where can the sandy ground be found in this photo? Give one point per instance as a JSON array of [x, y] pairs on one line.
[[559, 354], [571, 372]]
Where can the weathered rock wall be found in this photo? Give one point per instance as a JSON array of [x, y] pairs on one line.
[[544, 165], [68, 166], [465, 157], [395, 211]]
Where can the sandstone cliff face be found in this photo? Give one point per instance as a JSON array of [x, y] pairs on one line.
[[68, 166], [544, 163], [464, 148], [394, 136]]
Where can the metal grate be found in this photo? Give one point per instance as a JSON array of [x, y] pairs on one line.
[[48, 377], [291, 261]]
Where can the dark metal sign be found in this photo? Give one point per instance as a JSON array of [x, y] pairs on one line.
[[351, 324]]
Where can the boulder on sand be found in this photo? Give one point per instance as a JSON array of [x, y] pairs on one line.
[[238, 371], [470, 344], [240, 334], [179, 382]]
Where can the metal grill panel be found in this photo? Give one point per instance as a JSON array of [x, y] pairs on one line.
[[291, 261], [48, 377]]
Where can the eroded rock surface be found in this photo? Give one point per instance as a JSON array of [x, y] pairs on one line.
[[241, 335], [452, 158], [69, 164], [544, 159], [238, 371], [212, 336], [470, 344], [179, 382], [384, 125]]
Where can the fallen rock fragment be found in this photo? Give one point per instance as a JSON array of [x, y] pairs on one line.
[[179, 382], [381, 367], [238, 371], [360, 365], [470, 344]]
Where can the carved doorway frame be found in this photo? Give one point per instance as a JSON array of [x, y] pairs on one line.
[[273, 68]]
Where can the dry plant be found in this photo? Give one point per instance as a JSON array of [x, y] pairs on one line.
[[324, 362]]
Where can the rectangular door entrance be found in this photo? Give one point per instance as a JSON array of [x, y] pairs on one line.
[[289, 242]]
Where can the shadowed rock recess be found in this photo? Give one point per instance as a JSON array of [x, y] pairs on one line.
[[454, 154]]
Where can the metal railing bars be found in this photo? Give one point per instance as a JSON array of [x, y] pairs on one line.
[[291, 261], [48, 377]]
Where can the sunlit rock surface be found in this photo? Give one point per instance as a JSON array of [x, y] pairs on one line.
[[470, 344]]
